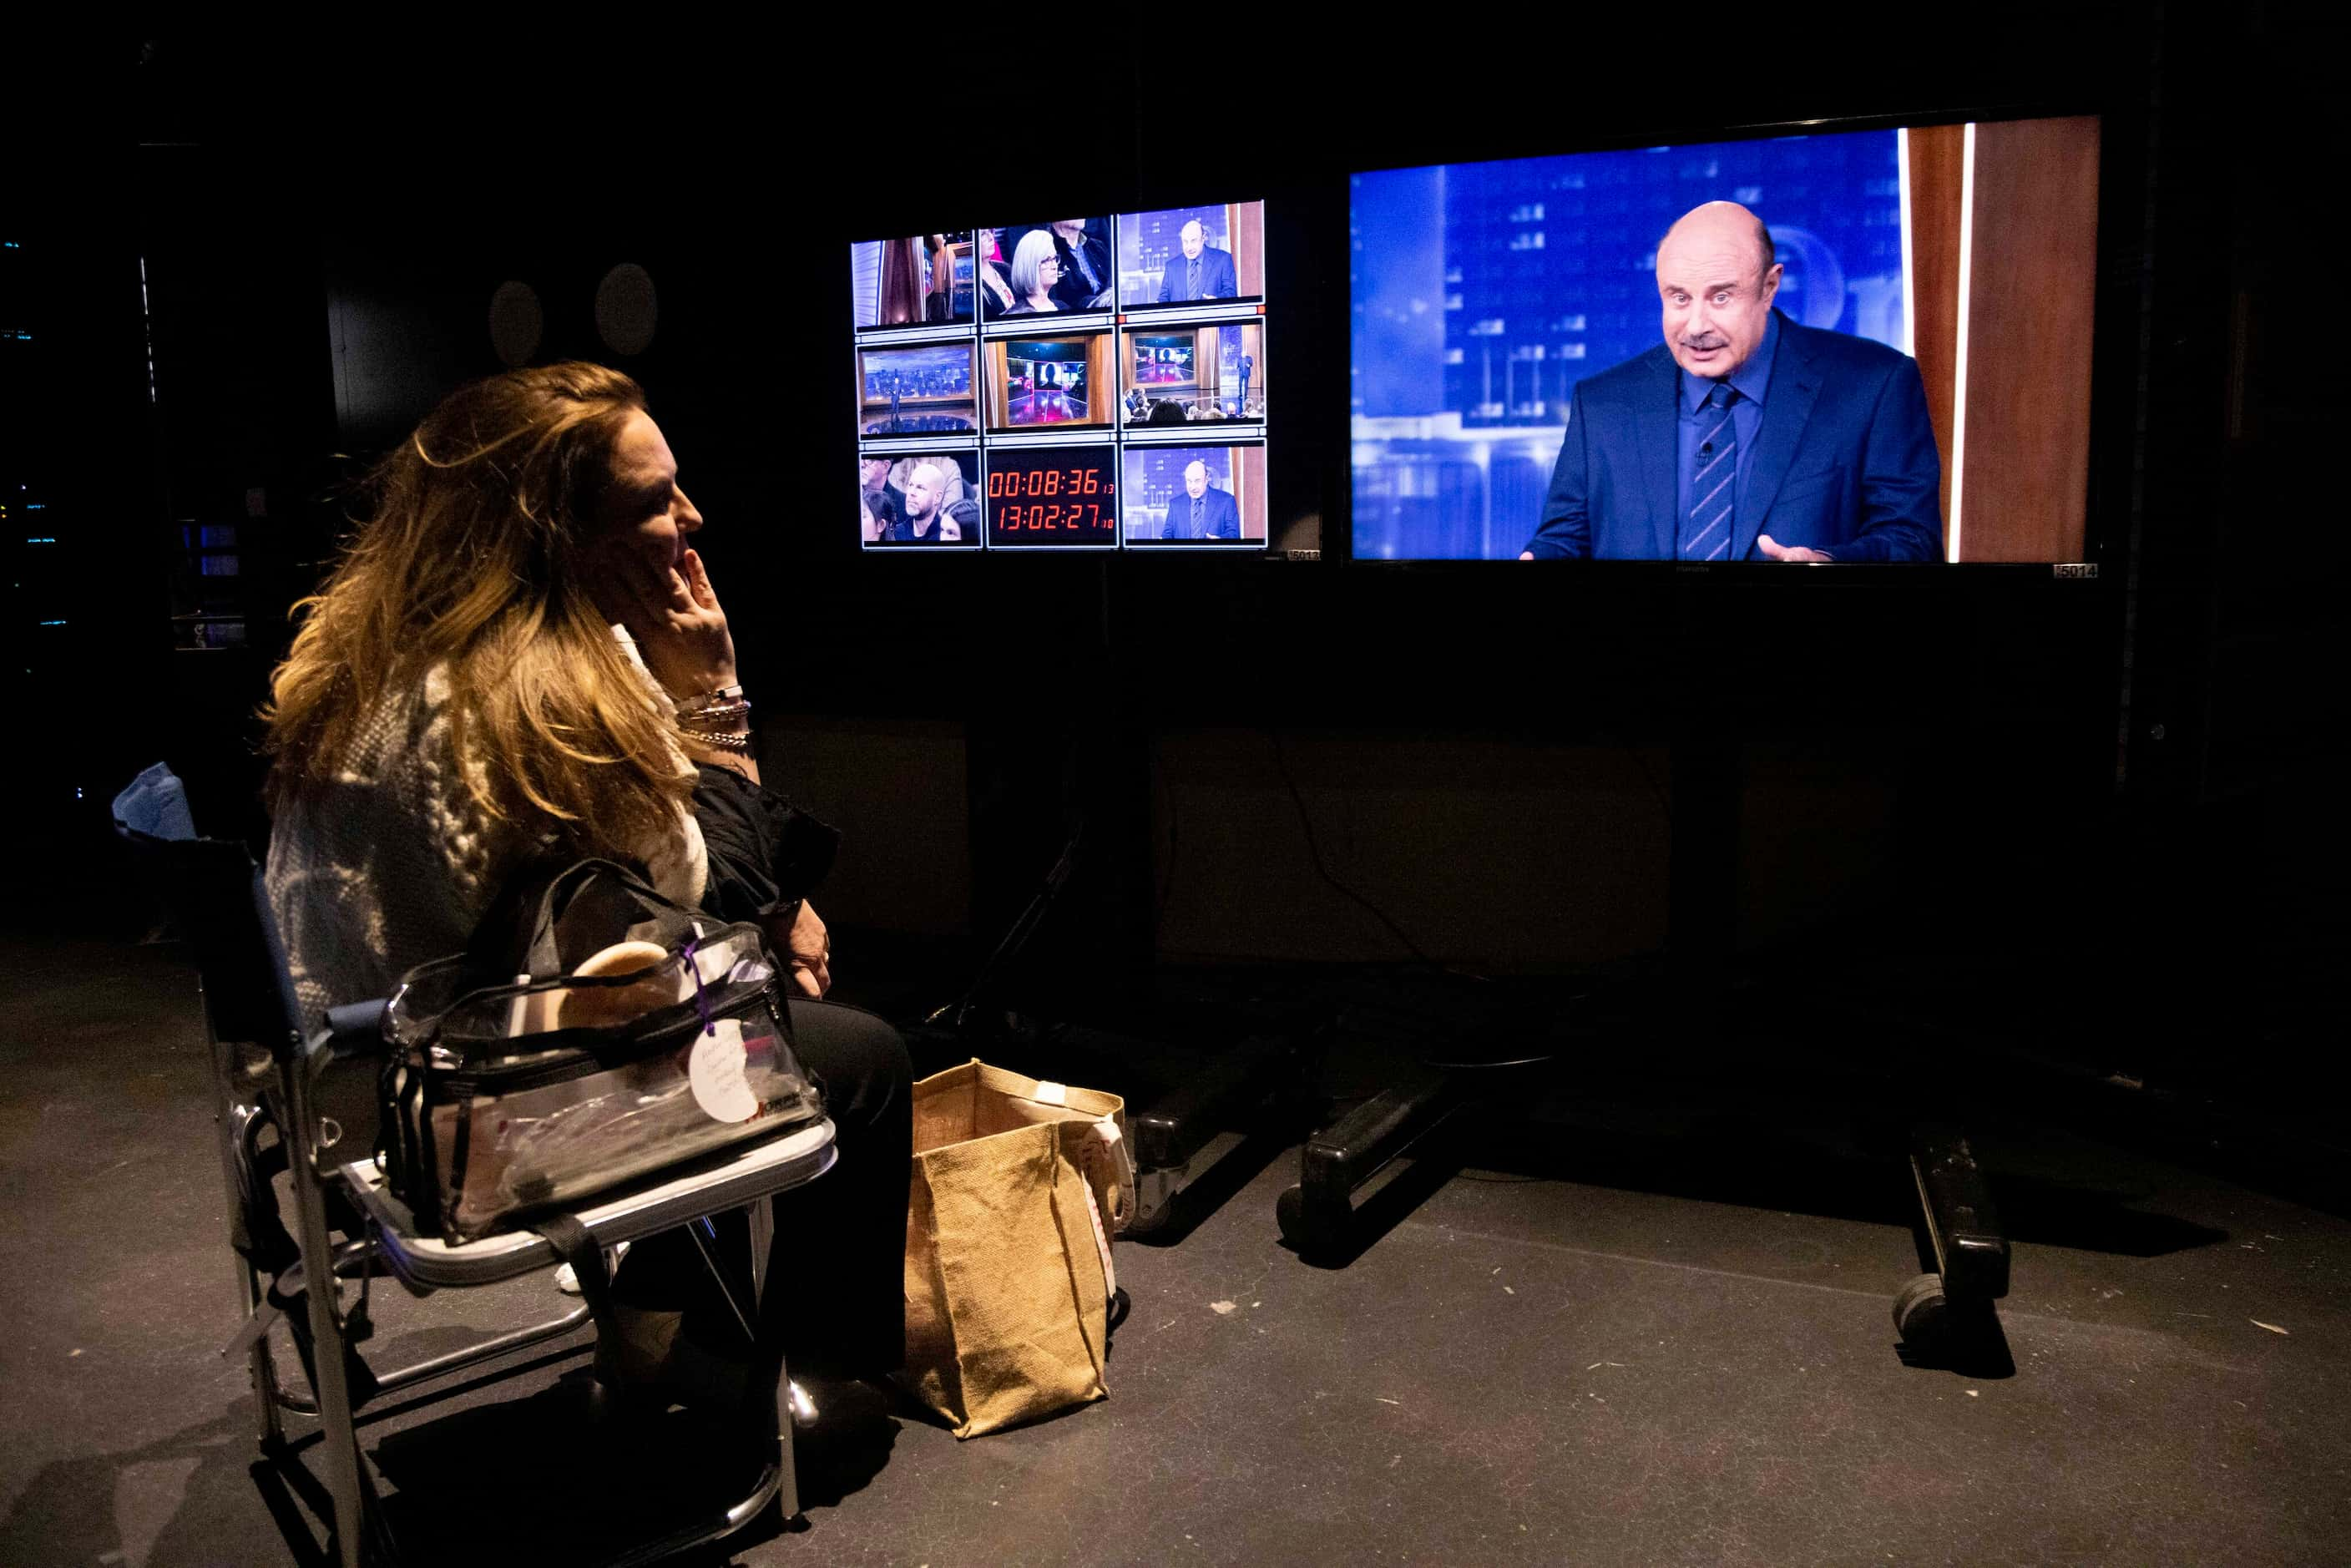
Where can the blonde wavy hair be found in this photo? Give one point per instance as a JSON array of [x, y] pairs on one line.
[[472, 558]]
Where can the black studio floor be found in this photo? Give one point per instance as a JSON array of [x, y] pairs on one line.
[[1591, 1350]]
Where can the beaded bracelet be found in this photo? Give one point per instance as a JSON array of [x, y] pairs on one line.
[[741, 743]]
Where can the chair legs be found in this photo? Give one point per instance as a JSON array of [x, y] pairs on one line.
[[763, 1241], [775, 1412], [230, 1125], [269, 1412], [357, 1520], [346, 1469]]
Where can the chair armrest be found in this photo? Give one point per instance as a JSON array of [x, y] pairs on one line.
[[352, 1031]]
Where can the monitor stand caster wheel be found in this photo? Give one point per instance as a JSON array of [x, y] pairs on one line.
[[1922, 1315], [1290, 1213]]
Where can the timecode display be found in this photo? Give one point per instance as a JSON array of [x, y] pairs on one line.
[[1048, 482], [1049, 516], [1052, 499]]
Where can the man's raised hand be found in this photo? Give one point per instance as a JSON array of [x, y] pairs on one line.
[[1777, 551]]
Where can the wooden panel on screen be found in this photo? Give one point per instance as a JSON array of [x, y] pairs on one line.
[[1934, 155], [2033, 285], [1245, 222]]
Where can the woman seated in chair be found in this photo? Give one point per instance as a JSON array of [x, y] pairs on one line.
[[518, 655]]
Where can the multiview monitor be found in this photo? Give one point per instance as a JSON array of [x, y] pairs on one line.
[[1866, 346], [1069, 383]]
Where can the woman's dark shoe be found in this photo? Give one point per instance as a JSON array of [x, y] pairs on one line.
[[644, 1355]]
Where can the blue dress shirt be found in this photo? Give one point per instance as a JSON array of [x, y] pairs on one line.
[[1751, 379]]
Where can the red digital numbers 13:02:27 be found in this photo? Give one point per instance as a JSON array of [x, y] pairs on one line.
[[1053, 516]]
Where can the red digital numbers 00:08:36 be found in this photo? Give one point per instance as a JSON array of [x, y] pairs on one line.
[[1004, 486], [1065, 516]]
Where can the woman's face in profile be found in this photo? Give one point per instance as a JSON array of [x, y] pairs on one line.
[[643, 520]]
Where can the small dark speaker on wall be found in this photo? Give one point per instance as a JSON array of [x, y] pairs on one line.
[[626, 310], [516, 323]]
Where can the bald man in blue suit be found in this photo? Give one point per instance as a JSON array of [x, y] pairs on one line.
[[1744, 436], [1202, 511], [1200, 272]]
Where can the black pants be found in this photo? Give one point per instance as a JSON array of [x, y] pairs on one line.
[[836, 1283]]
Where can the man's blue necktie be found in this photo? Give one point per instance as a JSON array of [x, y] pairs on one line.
[[1199, 504], [1714, 474], [1192, 278]]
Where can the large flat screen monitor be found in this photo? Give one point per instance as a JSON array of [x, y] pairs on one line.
[[1017, 383], [1867, 346]]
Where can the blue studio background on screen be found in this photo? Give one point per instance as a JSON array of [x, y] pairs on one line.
[[1482, 293]]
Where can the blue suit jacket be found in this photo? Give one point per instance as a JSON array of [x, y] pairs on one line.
[[1216, 280], [1221, 517], [1845, 461]]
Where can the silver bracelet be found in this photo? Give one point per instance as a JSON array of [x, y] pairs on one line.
[[723, 694], [723, 713]]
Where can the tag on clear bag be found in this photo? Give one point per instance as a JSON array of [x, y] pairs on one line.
[[715, 1071]]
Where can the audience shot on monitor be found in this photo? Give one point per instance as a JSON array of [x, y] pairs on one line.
[[1043, 270], [916, 391], [921, 498]]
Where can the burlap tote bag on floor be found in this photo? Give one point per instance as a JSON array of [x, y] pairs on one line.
[[1017, 1187]]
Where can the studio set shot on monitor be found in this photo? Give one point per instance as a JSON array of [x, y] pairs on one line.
[[1561, 803]]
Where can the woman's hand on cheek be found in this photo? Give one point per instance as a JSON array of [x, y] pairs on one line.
[[680, 628]]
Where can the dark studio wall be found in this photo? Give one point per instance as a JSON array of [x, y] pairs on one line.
[[1945, 771]]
